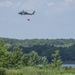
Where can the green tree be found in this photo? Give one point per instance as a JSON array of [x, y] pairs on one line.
[[3, 54], [56, 59], [44, 61], [34, 58], [1, 43], [15, 57], [7, 46], [25, 59]]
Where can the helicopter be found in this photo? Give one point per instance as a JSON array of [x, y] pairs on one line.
[[26, 13], [29, 12]]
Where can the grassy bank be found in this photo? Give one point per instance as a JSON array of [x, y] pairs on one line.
[[41, 71]]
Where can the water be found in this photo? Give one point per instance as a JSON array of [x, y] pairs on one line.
[[69, 65]]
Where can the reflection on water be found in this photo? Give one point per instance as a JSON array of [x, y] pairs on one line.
[[68, 65]]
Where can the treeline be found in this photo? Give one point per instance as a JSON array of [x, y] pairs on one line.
[[32, 42], [46, 47]]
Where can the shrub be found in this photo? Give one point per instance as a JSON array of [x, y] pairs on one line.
[[2, 71]]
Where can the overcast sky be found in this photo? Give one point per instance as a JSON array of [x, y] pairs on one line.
[[53, 19]]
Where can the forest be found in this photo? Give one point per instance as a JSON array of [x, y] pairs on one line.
[[36, 59], [46, 47]]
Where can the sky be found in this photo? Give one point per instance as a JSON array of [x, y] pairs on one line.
[[53, 19]]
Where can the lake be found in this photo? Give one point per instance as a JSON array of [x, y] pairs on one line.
[[68, 65]]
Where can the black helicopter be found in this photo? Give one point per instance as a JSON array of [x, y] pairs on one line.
[[26, 13]]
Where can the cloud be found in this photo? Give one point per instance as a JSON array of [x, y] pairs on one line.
[[51, 4], [5, 4], [27, 4], [39, 4], [33, 4], [69, 2], [61, 5], [30, 4], [8, 4]]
